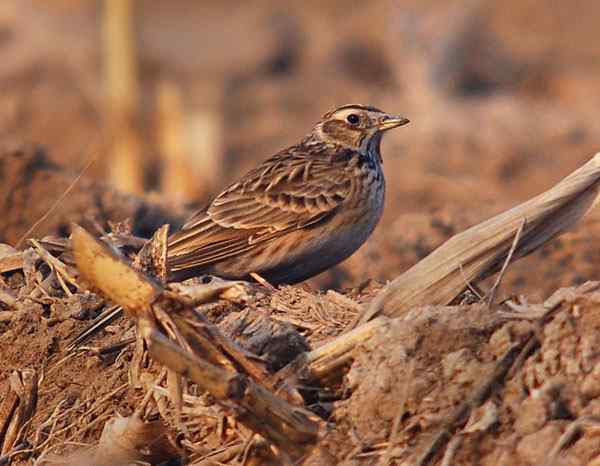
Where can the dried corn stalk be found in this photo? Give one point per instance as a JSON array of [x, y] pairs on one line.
[[125, 163], [187, 344], [481, 250], [17, 408]]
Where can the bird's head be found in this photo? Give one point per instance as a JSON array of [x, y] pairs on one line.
[[356, 126]]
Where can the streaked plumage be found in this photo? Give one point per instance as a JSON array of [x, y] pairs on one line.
[[300, 212]]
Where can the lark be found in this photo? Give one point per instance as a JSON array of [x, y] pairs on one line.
[[300, 212]]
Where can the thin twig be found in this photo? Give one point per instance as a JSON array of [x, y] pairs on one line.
[[225, 454], [55, 264], [469, 285], [54, 206], [512, 250], [57, 365], [262, 281], [53, 434], [569, 435], [453, 446]]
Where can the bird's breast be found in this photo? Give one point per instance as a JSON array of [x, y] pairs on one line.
[[368, 190]]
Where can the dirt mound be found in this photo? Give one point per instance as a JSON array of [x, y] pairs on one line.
[[415, 376], [515, 383]]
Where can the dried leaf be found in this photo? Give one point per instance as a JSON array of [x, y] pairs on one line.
[[130, 440]]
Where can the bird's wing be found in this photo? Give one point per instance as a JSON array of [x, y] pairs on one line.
[[285, 193]]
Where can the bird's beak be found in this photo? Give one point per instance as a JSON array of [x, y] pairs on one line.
[[392, 121]]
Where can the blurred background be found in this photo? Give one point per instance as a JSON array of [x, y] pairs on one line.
[[178, 98]]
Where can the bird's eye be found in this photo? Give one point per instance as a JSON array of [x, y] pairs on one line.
[[353, 119]]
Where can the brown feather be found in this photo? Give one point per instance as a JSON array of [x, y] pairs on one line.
[[292, 190], [303, 210]]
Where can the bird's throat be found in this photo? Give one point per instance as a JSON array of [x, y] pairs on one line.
[[372, 148]]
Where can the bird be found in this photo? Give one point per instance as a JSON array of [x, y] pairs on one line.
[[298, 213]]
